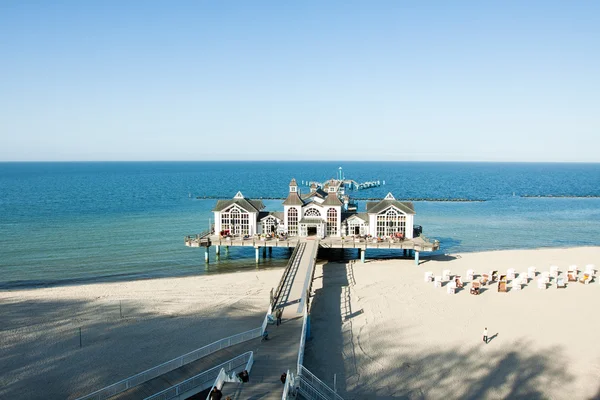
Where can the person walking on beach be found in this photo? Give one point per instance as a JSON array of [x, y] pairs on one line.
[[485, 336], [278, 315]]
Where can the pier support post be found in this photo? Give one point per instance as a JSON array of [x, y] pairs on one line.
[[416, 258], [217, 250], [264, 252], [270, 251], [362, 255], [206, 255], [404, 252], [256, 251]]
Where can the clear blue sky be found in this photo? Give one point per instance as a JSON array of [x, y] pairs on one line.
[[368, 80]]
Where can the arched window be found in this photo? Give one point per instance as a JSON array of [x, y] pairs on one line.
[[332, 227], [390, 222], [269, 225], [292, 222], [312, 212], [236, 221]]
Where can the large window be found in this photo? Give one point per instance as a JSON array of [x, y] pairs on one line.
[[292, 222], [332, 228], [356, 227], [269, 225], [390, 222], [312, 212], [235, 221]]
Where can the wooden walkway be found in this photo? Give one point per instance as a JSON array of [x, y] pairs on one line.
[[194, 368], [272, 357], [280, 353]]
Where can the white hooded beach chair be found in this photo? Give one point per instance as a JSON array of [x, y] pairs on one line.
[[510, 274], [524, 277], [541, 283], [451, 288], [516, 284], [437, 281], [554, 271], [590, 269], [546, 276], [470, 274], [428, 276], [531, 272], [573, 268], [446, 275]]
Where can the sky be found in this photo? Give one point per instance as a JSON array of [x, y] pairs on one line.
[[300, 80]]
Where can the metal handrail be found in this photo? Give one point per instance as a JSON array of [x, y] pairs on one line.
[[302, 342], [285, 274], [171, 365], [202, 379], [288, 386], [317, 385]]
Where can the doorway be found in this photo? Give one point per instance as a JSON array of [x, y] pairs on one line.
[[311, 231]]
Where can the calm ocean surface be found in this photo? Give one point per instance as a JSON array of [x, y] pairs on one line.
[[87, 222]]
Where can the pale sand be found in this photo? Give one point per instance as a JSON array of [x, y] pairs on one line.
[[406, 339], [162, 319]]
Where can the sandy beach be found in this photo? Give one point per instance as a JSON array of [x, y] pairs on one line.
[[387, 334], [127, 327], [378, 326]]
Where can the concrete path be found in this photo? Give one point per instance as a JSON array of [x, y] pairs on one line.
[[280, 353], [179, 375]]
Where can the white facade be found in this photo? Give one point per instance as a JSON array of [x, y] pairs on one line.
[[309, 217]]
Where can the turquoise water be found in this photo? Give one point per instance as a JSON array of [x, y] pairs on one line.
[[80, 222]]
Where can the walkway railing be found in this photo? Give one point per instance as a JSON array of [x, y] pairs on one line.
[[203, 381], [197, 238], [288, 386], [171, 365], [312, 387], [294, 259], [302, 342], [225, 377]]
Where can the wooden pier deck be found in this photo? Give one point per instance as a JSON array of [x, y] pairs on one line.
[[420, 243]]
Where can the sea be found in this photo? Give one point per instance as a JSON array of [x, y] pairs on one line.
[[65, 223]]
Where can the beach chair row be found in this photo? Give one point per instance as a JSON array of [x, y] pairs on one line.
[[517, 281]]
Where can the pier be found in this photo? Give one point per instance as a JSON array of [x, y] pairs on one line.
[[408, 247]]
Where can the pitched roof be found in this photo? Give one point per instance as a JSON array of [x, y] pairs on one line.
[[264, 214], [293, 199], [317, 193], [293, 182], [332, 200], [247, 204], [363, 216], [375, 207]]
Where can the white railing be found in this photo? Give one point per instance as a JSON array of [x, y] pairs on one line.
[[288, 387], [302, 342], [221, 378], [203, 381], [171, 365], [224, 377], [250, 362], [310, 385], [263, 327]]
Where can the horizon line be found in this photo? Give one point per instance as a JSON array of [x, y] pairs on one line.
[[301, 160]]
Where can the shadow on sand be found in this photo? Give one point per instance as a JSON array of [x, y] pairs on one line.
[[411, 370]]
